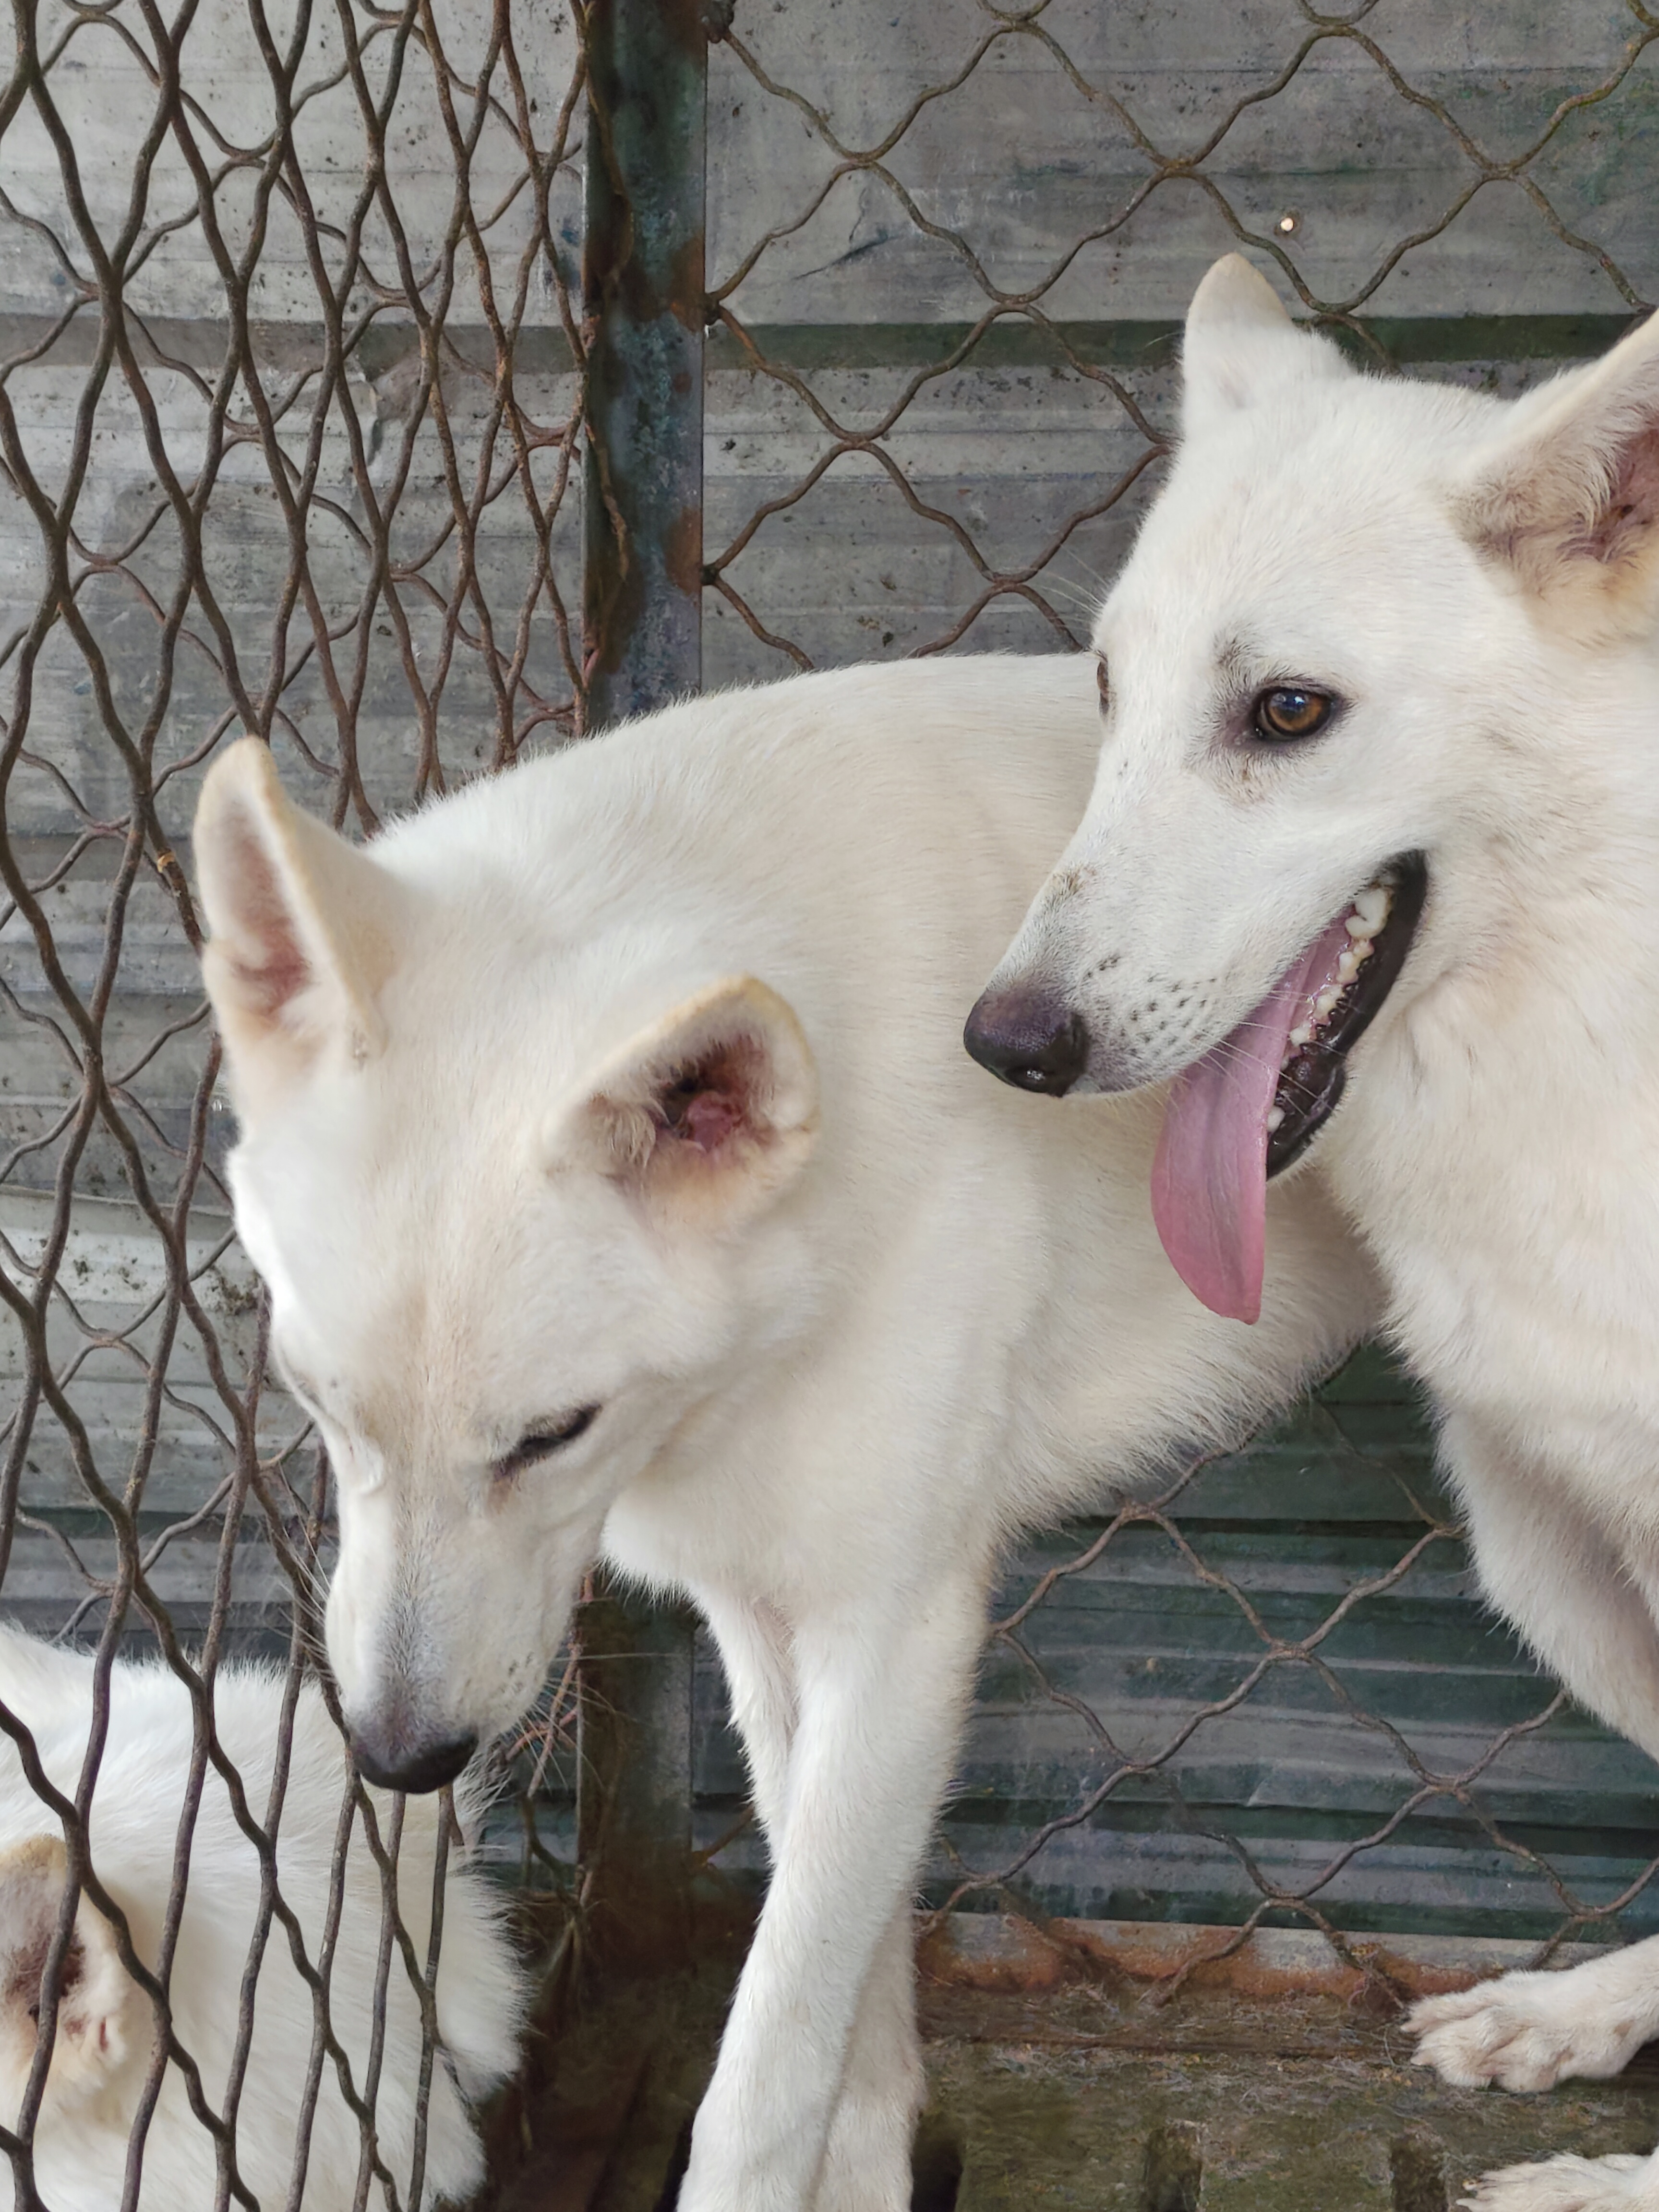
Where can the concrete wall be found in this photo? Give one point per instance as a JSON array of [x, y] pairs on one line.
[[1060, 131]]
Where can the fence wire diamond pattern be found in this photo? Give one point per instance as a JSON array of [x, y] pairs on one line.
[[292, 349]]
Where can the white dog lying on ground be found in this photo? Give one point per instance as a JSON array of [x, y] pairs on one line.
[[1384, 725], [610, 1152], [104, 2030]]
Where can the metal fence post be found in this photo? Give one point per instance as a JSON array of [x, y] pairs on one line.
[[634, 1786], [643, 304]]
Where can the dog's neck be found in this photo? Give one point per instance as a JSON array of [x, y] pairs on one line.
[[1504, 1115], [1543, 903]]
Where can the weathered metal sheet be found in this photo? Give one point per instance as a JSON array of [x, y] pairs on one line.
[[1288, 1703], [643, 312], [872, 485]]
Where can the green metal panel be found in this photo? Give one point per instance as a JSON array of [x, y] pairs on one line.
[[1386, 1765]]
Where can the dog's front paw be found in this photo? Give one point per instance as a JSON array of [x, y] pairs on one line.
[[1568, 2185], [1526, 2032]]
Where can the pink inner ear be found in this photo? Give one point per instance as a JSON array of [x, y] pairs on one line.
[[1633, 505], [708, 1102], [710, 1117], [278, 971]]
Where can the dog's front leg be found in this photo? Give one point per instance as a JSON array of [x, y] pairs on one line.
[[866, 2165], [879, 1697], [867, 2162], [1544, 1563]]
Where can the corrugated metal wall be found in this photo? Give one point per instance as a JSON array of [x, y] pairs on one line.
[[947, 249], [1280, 1702]]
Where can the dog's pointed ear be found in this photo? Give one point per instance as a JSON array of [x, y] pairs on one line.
[[707, 1115], [304, 929], [99, 2006], [1567, 494], [1241, 348]]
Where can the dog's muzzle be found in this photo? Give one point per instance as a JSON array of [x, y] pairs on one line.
[[1029, 1037], [394, 1755]]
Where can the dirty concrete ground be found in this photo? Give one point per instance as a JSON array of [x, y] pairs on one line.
[[1094, 2093], [1226, 2131]]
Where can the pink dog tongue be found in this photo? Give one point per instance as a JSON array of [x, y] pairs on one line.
[[1210, 1177]]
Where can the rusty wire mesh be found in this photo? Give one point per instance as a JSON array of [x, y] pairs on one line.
[[941, 390], [291, 392], [981, 221], [288, 411], [1301, 1762]]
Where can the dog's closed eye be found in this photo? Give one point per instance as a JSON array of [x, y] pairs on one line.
[[1102, 682], [539, 1444]]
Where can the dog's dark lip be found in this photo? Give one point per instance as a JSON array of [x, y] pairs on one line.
[[1312, 1079]]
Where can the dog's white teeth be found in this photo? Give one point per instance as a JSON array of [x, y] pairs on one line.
[[1370, 911], [1275, 1118], [1372, 904]]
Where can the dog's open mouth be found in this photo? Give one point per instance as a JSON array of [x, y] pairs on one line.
[[1256, 1101], [1379, 926]]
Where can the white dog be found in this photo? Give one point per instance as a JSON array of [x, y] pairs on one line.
[[621, 1184], [1383, 725], [106, 2025]]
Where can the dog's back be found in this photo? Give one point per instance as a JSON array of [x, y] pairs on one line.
[[870, 833]]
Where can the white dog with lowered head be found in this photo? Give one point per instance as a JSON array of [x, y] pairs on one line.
[[104, 2024], [1372, 866], [621, 1184]]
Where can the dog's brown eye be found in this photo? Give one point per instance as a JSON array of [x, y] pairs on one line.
[[541, 1443], [1288, 711], [1102, 683]]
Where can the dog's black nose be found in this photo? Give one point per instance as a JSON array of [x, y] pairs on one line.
[[397, 1758], [1029, 1038]]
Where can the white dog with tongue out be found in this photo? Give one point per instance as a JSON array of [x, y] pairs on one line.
[[1380, 719]]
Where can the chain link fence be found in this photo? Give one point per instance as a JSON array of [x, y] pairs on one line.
[[942, 339], [288, 413], [301, 376], [941, 386]]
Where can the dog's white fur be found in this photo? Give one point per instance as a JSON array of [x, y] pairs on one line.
[[634, 1080], [106, 2023], [1479, 583]]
